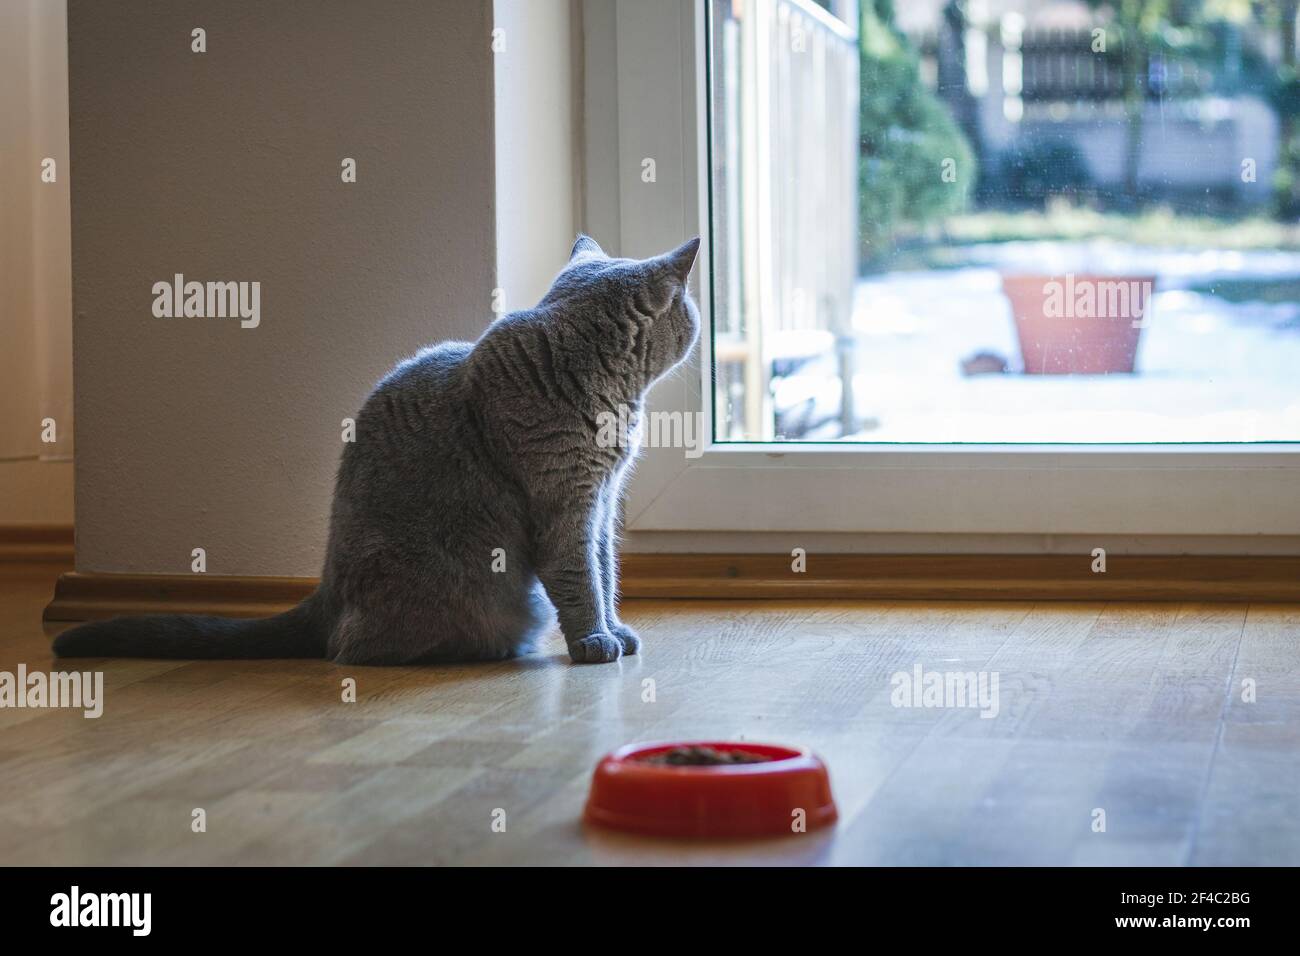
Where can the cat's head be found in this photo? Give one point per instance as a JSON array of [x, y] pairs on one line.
[[643, 304]]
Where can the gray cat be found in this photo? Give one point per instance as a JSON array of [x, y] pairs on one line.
[[477, 487]]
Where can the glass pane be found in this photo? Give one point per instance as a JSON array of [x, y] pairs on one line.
[[1005, 221]]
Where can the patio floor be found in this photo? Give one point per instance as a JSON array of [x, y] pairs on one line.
[[1209, 369]]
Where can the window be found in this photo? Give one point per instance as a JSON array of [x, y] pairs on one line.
[[1004, 221], [643, 100]]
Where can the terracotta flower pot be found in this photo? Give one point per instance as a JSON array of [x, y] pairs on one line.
[[1079, 324]]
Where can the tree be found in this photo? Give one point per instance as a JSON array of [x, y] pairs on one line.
[[1286, 101], [1209, 31], [1142, 27]]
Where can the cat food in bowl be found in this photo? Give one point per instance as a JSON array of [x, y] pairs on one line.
[[710, 789]]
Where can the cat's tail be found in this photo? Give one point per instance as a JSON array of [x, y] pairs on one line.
[[299, 632]]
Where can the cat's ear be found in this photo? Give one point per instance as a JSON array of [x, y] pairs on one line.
[[586, 246], [666, 274], [681, 260]]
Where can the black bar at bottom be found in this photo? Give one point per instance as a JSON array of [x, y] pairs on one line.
[[334, 905]]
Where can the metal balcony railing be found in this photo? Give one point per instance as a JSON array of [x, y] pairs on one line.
[[785, 154]]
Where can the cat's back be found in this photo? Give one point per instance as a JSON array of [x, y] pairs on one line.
[[435, 366], [414, 408]]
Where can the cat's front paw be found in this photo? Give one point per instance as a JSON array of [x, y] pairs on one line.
[[631, 641], [598, 648]]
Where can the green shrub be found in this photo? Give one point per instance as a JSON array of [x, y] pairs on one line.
[[907, 137], [1032, 171]]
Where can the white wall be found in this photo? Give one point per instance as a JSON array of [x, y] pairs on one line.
[[35, 492], [225, 165], [536, 125], [35, 281]]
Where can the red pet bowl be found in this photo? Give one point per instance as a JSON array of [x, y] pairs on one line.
[[722, 800]]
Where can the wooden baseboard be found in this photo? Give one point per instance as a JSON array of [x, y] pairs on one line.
[[84, 597], [965, 577], [89, 597], [36, 542]]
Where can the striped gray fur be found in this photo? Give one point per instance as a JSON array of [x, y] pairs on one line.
[[468, 457]]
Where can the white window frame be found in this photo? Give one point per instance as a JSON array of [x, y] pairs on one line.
[[653, 55]]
